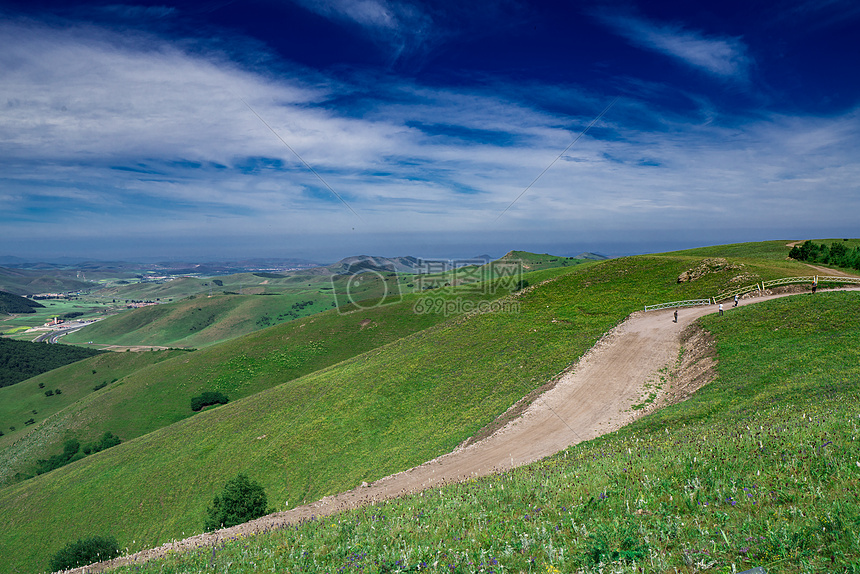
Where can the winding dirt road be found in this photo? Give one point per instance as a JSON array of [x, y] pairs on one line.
[[592, 398]]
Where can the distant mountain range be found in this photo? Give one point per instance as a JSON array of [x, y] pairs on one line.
[[23, 277], [237, 266]]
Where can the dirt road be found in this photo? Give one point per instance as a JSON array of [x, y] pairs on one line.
[[592, 398]]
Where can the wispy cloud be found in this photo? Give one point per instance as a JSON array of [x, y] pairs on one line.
[[401, 26], [725, 57], [128, 136]]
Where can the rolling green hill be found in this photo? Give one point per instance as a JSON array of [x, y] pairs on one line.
[[380, 410], [237, 368], [28, 282], [536, 261], [759, 468], [198, 321], [239, 283]]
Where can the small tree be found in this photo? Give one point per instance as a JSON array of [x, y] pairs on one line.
[[241, 500], [85, 551]]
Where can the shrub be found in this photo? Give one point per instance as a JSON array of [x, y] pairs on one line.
[[49, 393], [108, 440], [208, 398], [241, 500], [85, 551]]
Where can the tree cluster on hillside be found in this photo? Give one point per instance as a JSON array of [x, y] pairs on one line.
[[837, 254], [20, 360], [72, 451], [10, 303]]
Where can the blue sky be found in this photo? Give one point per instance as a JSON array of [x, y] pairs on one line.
[[321, 129]]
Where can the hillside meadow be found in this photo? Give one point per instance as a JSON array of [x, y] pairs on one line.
[[140, 400], [304, 435], [758, 468]]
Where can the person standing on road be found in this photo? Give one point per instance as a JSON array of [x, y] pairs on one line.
[[814, 285], [721, 308], [736, 301], [676, 316]]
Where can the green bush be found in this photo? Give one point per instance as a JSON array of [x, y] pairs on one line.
[[241, 500], [85, 551], [208, 398]]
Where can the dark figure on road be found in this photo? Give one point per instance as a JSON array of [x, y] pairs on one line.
[[676, 316], [721, 308], [814, 286], [736, 301]]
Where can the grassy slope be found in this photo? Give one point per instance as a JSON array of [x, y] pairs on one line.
[[367, 417], [199, 321], [28, 282], [758, 468], [535, 261], [762, 250], [77, 380], [181, 287], [148, 400]]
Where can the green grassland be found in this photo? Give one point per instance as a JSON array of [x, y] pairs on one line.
[[181, 287], [149, 399], [536, 261], [762, 250], [198, 321], [379, 410], [759, 468], [76, 381]]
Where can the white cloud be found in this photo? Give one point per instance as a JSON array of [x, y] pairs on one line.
[[194, 161], [725, 57]]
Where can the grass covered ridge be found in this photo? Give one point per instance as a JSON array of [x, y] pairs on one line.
[[759, 468], [310, 425]]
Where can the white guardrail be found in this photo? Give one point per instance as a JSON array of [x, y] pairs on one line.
[[688, 303], [814, 279]]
